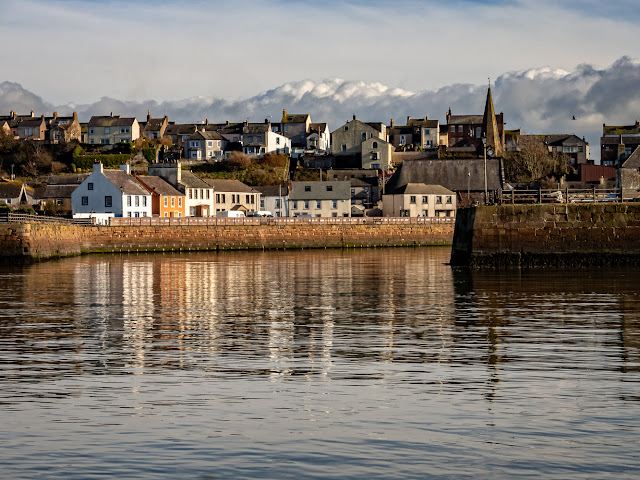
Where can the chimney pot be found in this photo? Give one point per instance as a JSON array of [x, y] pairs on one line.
[[354, 116]]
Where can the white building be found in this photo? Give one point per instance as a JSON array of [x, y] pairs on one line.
[[259, 139], [274, 199], [110, 193], [320, 199], [419, 200]]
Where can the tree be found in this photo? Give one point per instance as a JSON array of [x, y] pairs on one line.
[[238, 161], [532, 161]]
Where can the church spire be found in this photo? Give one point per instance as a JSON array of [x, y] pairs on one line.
[[490, 126]]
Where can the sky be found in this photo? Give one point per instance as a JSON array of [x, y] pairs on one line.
[[216, 58]]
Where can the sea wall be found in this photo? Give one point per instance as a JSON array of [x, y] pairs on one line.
[[37, 241], [547, 235]]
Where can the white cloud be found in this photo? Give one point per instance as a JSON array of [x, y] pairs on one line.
[[538, 100]]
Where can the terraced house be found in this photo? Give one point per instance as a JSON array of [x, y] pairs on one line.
[[109, 130], [320, 199]]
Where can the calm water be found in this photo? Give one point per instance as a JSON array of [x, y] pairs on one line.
[[316, 364]]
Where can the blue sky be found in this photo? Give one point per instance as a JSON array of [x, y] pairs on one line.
[[81, 50]]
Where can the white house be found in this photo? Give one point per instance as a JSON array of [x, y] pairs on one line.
[[259, 139], [107, 193], [204, 145], [274, 199], [319, 138]]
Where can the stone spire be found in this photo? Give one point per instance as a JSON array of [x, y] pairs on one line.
[[490, 126]]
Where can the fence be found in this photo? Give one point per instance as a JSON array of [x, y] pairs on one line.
[[593, 195], [210, 221], [27, 218]]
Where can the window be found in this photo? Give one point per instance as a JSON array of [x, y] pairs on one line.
[[190, 193], [173, 202], [262, 203], [306, 204], [250, 139], [107, 130], [91, 130], [277, 140], [438, 199], [217, 197], [295, 204], [412, 199], [426, 131], [122, 130], [453, 128], [286, 128], [448, 198], [128, 200], [329, 188], [180, 201], [209, 143], [460, 128], [375, 165], [277, 202], [202, 194], [85, 200], [129, 214], [334, 214], [334, 204], [307, 188], [195, 193], [166, 201], [108, 201], [259, 139], [346, 128], [224, 196], [374, 145], [344, 147], [353, 192], [318, 204], [425, 213], [137, 214], [364, 137], [403, 140], [248, 199], [375, 155], [90, 186], [425, 199], [137, 201]]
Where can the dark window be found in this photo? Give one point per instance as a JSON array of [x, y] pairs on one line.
[[364, 137], [90, 186], [329, 188], [108, 201], [307, 188], [85, 200]]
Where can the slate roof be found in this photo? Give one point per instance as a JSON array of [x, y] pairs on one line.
[[154, 124], [221, 185], [420, 189], [56, 191], [109, 121], [317, 127], [451, 174], [158, 185], [295, 118], [10, 189], [180, 129], [465, 119], [318, 191], [207, 135], [273, 190], [191, 180], [125, 182], [633, 161], [421, 122], [75, 179]]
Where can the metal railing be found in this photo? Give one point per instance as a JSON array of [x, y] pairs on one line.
[[212, 221], [592, 195], [28, 218]]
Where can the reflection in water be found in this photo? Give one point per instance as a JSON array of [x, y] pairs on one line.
[[351, 364]]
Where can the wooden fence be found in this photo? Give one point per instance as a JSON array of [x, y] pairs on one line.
[[593, 195], [27, 218]]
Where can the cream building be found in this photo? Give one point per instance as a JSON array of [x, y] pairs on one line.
[[419, 200]]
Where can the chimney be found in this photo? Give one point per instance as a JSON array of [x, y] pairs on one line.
[[75, 115], [392, 123], [227, 123], [97, 167], [284, 114], [354, 116], [111, 114], [266, 120], [148, 115], [408, 118], [126, 168], [32, 114], [245, 123], [206, 121], [55, 114]]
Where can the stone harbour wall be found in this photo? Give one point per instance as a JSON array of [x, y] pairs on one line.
[[39, 241], [547, 235]]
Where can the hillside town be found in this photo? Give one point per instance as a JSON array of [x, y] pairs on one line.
[[115, 166]]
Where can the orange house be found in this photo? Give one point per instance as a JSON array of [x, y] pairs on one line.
[[166, 201]]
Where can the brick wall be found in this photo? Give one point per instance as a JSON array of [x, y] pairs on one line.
[[25, 242], [547, 235]]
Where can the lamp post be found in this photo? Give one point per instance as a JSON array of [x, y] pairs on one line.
[[484, 151]]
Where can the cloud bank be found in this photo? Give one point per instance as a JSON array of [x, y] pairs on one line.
[[540, 100]]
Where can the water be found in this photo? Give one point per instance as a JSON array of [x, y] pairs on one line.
[[351, 364]]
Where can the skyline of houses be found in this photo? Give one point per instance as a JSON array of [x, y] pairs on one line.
[[422, 156]]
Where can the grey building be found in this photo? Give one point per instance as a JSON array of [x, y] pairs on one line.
[[320, 199]]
